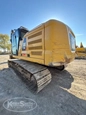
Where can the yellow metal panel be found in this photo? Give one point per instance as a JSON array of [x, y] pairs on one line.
[[40, 61], [35, 43], [34, 38], [57, 48], [48, 43]]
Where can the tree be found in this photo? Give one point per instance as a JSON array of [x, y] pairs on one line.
[[76, 46], [81, 45], [4, 42]]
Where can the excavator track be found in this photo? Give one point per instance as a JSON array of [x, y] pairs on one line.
[[36, 75]]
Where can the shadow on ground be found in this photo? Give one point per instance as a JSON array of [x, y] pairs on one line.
[[52, 100], [61, 78]]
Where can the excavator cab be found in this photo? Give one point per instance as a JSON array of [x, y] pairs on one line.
[[16, 37]]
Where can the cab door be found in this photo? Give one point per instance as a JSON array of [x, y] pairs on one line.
[[15, 42]]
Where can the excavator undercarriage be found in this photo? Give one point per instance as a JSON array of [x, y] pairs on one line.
[[37, 76]]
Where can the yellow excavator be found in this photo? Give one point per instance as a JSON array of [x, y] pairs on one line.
[[81, 52], [51, 44]]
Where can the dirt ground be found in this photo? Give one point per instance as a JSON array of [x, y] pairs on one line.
[[65, 95]]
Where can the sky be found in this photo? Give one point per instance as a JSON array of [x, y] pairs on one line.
[[31, 13]]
